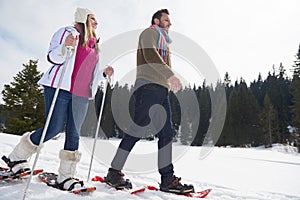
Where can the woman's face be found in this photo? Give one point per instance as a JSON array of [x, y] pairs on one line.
[[93, 21]]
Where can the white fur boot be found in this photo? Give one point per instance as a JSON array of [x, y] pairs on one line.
[[67, 170], [24, 149]]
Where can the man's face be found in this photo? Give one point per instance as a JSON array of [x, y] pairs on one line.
[[165, 21]]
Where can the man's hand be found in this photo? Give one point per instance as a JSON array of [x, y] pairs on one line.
[[175, 83], [109, 71]]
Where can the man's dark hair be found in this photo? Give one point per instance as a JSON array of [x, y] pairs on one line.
[[158, 15]]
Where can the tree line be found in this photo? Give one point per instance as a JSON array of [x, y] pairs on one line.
[[261, 113]]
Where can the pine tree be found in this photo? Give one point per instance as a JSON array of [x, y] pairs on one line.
[[241, 124], [218, 113], [122, 107], [186, 132], [205, 114], [278, 91], [258, 89], [295, 90], [269, 122], [227, 80], [228, 137], [107, 121], [227, 85], [24, 101], [89, 125], [2, 119]]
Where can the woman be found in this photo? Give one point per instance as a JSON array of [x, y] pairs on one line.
[[79, 83]]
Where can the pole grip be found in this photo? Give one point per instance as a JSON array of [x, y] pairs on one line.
[[74, 34]]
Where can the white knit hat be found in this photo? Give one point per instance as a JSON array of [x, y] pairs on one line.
[[81, 15]]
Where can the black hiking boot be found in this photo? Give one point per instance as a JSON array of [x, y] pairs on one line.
[[115, 179], [173, 185]]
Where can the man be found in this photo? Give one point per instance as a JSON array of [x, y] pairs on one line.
[[154, 78]]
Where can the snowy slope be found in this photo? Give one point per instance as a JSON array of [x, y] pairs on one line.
[[232, 173]]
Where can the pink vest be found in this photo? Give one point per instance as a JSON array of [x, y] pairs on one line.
[[85, 63]]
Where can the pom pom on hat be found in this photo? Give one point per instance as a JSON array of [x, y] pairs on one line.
[[81, 14]]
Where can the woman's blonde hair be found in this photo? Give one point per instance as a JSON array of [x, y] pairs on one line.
[[88, 29]]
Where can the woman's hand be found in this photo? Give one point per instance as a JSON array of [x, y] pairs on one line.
[[70, 41]]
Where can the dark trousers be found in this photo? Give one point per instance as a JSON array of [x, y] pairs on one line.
[[147, 96]]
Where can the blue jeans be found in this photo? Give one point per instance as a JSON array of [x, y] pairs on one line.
[[69, 110], [145, 97]]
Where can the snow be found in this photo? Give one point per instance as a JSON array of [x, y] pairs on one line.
[[232, 173]]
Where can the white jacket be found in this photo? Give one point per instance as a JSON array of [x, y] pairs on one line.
[[57, 56]]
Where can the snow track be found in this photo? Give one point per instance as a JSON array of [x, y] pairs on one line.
[[232, 173]]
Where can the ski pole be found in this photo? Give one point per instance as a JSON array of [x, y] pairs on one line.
[[69, 51], [98, 125]]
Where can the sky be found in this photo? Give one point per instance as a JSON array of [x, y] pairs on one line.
[[243, 38]]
